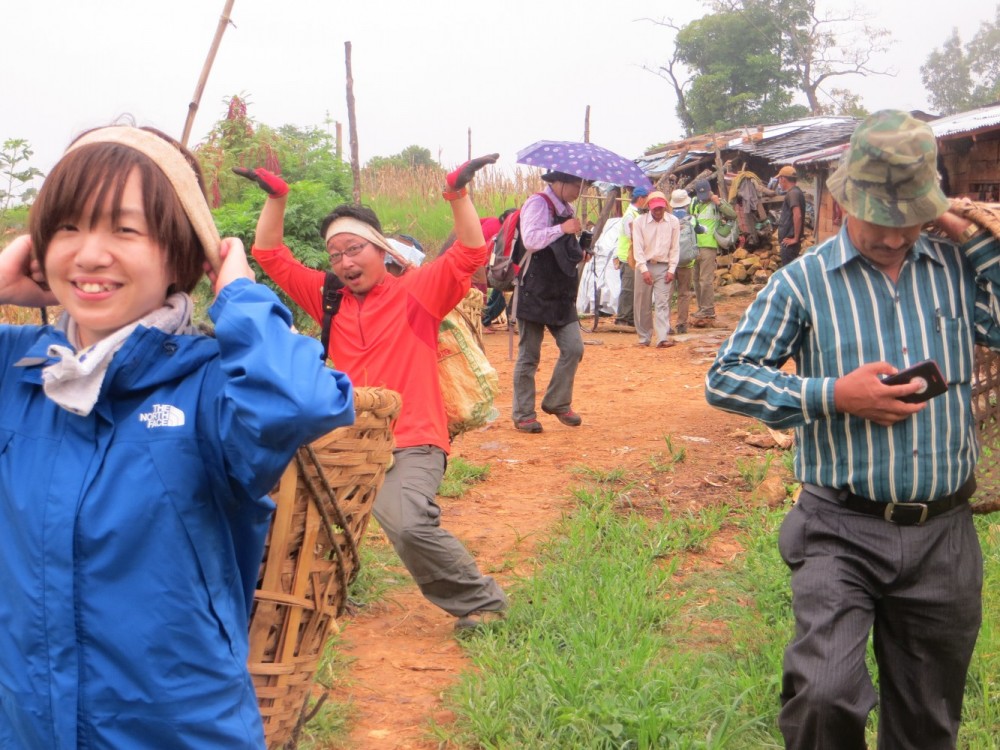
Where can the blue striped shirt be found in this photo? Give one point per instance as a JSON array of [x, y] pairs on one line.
[[832, 311]]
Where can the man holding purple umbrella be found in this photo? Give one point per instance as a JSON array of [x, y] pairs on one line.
[[546, 298]]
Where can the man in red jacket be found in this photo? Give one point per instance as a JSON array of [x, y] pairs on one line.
[[385, 334]]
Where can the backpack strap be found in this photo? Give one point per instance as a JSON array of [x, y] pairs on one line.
[[332, 298]]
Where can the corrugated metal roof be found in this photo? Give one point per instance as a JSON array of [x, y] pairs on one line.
[[802, 137], [830, 154], [780, 143], [964, 123], [660, 163]]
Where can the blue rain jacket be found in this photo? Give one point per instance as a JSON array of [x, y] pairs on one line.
[[131, 539]]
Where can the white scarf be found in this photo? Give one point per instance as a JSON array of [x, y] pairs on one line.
[[74, 382]]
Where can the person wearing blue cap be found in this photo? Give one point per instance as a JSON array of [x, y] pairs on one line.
[[624, 261]]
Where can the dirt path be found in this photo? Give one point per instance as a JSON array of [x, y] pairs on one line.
[[404, 654]]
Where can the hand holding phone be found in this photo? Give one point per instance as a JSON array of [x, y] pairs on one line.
[[927, 371]]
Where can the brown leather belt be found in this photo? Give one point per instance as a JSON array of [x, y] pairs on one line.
[[904, 514]]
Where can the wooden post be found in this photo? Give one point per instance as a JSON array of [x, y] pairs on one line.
[[469, 158], [340, 139], [352, 126], [199, 89], [586, 139], [720, 172]]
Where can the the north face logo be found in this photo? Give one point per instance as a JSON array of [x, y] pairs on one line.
[[163, 415]]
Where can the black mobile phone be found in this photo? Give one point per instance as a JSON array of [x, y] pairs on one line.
[[929, 372]]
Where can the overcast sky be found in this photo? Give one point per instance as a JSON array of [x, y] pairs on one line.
[[425, 72]]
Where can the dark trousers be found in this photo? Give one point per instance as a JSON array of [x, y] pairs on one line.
[[917, 588], [496, 303], [790, 253], [625, 312]]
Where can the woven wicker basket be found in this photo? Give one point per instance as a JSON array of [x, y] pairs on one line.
[[985, 380], [324, 502]]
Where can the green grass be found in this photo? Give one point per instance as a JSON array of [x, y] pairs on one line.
[[380, 571], [460, 475], [330, 725], [610, 645], [754, 470], [665, 462]]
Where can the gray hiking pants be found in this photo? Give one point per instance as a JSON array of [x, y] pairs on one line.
[[652, 296], [559, 394], [704, 282], [405, 507]]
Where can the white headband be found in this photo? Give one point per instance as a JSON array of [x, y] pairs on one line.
[[350, 225], [177, 170]]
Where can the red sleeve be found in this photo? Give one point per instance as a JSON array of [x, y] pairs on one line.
[[442, 283], [303, 284]]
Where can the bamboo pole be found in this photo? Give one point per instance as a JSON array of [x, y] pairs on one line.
[[469, 158], [199, 89], [352, 126]]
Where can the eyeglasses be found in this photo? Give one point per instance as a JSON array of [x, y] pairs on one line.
[[350, 252]]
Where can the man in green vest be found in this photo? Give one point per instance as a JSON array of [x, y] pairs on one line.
[[709, 209], [625, 269]]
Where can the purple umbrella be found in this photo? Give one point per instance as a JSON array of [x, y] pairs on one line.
[[584, 160]]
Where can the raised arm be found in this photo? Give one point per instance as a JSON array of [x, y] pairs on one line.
[[468, 229], [270, 232]]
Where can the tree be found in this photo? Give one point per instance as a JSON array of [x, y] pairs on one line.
[[408, 158], [297, 154], [947, 76], [15, 174], [958, 79], [304, 157], [739, 78], [747, 61]]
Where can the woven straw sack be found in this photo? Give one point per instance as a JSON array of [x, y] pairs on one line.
[[324, 502], [985, 380]]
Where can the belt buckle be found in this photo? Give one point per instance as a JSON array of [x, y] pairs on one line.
[[891, 508]]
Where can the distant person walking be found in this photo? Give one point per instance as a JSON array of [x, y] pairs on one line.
[[791, 222], [546, 299], [624, 261], [709, 209], [656, 246]]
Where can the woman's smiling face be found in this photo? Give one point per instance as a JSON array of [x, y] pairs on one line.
[[109, 272]]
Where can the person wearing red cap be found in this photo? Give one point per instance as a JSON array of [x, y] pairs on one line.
[[656, 246]]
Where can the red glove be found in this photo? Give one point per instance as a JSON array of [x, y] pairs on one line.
[[271, 183], [464, 174]]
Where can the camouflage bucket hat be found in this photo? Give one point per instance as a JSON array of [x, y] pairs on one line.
[[888, 176]]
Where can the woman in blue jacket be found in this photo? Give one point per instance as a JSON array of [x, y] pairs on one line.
[[136, 456]]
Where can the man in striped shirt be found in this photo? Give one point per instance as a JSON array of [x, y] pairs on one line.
[[882, 534]]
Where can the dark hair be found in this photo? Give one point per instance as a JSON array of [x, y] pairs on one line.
[[89, 177], [361, 213], [507, 212]]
